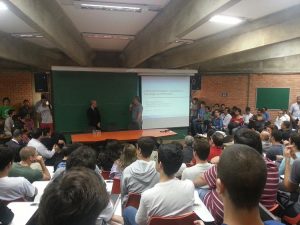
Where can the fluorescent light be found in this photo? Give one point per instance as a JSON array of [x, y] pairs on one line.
[[111, 7], [226, 19], [108, 36], [3, 6], [27, 35]]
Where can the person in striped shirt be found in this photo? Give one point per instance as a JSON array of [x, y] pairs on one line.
[[211, 198], [241, 192]]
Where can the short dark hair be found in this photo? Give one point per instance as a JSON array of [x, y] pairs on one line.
[[10, 112], [248, 137], [287, 124], [17, 133], [277, 135], [247, 108], [76, 197], [178, 144], [245, 186], [147, 145], [6, 157], [218, 139], [25, 100], [69, 148], [82, 157], [171, 158], [5, 99], [201, 148], [295, 139], [36, 133], [238, 109], [210, 133]]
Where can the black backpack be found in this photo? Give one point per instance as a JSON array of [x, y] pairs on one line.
[[6, 215]]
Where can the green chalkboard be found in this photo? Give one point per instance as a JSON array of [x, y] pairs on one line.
[[272, 98], [72, 92]]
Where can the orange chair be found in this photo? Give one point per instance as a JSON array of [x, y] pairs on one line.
[[133, 200], [186, 219], [105, 174], [292, 220], [116, 188], [275, 209]]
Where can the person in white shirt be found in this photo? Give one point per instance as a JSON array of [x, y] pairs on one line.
[[44, 111], [38, 145], [201, 152], [13, 188], [247, 116], [295, 112], [170, 197], [280, 118], [226, 117], [288, 118], [9, 123]]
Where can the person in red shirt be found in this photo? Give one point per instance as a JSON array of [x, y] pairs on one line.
[[216, 145]]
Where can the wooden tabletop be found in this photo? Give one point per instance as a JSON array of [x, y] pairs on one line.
[[130, 135]]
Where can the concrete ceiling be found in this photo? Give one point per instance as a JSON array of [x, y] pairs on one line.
[[177, 34]]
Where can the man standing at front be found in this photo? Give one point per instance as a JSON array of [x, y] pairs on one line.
[[93, 115], [136, 109], [295, 112]]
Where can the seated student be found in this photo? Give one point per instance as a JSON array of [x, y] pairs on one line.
[[286, 130], [16, 143], [201, 152], [275, 152], [28, 122], [257, 121], [183, 165], [13, 188], [9, 123], [242, 194], [295, 145], [66, 151], [247, 116], [28, 156], [226, 117], [141, 174], [86, 157], [236, 120], [279, 119], [265, 138], [170, 197], [291, 181], [198, 121], [266, 114], [111, 153], [216, 145], [82, 205], [37, 144], [211, 197], [188, 149], [217, 122], [127, 157]]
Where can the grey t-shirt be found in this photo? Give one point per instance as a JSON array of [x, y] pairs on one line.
[[295, 177], [136, 109]]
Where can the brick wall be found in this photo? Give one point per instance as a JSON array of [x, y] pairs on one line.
[[240, 90], [17, 86]]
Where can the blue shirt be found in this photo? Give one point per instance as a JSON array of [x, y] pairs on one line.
[[266, 116], [217, 123], [201, 113]]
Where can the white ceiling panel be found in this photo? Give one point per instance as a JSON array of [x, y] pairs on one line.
[[99, 21], [10, 23], [254, 9], [107, 44]]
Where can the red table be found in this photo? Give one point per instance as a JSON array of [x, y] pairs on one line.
[[130, 135]]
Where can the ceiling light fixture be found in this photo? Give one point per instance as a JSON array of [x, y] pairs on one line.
[[184, 41], [27, 35], [109, 6], [108, 36], [3, 6], [226, 19]]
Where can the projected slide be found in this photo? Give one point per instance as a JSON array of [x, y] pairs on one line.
[[165, 101]]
